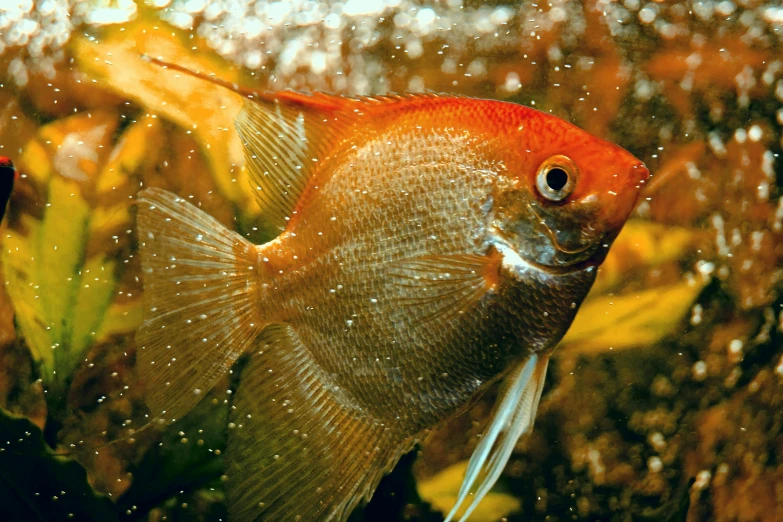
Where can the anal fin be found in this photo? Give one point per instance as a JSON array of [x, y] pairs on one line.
[[300, 448], [512, 418]]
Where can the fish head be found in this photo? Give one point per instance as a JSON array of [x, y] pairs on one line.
[[565, 195]]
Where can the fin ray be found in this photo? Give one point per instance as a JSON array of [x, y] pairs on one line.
[[513, 417], [442, 287], [199, 290], [284, 138], [301, 447]]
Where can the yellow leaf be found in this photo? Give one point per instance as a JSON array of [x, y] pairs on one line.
[[36, 162], [129, 155], [60, 251], [121, 318], [24, 291], [633, 319], [205, 110], [96, 287], [641, 244], [107, 219], [441, 491]]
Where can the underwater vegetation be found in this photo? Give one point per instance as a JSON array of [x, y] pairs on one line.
[[662, 402]]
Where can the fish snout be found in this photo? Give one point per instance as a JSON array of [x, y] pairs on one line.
[[628, 195], [640, 172]]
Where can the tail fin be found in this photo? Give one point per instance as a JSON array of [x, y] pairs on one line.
[[200, 301], [299, 447]]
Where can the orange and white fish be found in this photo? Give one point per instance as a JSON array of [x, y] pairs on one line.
[[429, 245]]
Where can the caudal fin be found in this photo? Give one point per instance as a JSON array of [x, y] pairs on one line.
[[200, 301]]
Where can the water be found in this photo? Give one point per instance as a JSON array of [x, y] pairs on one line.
[[663, 400]]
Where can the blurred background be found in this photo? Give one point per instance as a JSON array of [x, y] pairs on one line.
[[664, 401]]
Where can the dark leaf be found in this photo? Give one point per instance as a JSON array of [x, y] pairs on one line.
[[188, 458], [37, 485]]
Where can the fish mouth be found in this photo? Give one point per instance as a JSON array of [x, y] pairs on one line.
[[502, 240], [553, 237]]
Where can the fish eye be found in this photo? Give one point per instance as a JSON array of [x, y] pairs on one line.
[[556, 178]]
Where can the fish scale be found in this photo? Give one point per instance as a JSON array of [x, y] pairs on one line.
[[419, 261], [360, 267]]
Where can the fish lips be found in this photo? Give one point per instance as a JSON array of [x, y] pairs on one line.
[[562, 239]]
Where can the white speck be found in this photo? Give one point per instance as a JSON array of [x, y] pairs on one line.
[[699, 371], [647, 15], [725, 8], [425, 17], [702, 480], [512, 83], [705, 268], [557, 14], [657, 441], [363, 7], [779, 367], [696, 314], [332, 21]]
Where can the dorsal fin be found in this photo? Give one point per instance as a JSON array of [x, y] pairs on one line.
[[286, 134], [284, 139]]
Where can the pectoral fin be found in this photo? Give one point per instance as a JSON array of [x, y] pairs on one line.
[[513, 417], [441, 287]]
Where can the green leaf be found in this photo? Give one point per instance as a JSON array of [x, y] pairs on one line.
[[202, 109], [93, 297], [60, 253], [24, 290], [61, 279], [37, 485], [188, 458]]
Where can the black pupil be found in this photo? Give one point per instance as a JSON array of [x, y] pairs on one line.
[[556, 179]]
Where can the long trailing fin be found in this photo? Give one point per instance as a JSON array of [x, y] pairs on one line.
[[301, 448], [200, 301], [513, 417], [441, 287], [314, 101]]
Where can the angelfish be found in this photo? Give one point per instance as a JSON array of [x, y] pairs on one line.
[[429, 245]]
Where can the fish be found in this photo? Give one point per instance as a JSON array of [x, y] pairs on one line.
[[429, 247], [8, 176]]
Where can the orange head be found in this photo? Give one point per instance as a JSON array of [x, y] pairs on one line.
[[565, 194]]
